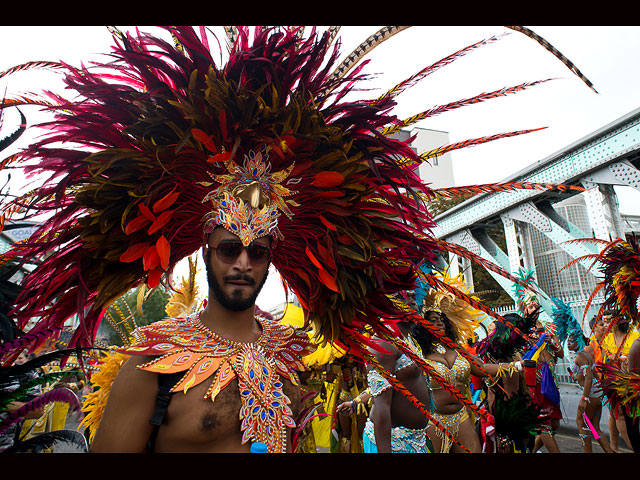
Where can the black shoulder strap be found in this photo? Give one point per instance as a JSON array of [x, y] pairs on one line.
[[165, 383]]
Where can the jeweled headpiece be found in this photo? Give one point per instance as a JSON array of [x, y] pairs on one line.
[[248, 200]]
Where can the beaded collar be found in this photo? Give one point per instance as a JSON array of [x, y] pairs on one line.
[[186, 345]]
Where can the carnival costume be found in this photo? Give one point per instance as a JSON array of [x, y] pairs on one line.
[[464, 319], [458, 375], [619, 264], [545, 393], [515, 416], [160, 145], [403, 439]]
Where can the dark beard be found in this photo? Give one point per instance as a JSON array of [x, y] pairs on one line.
[[230, 303]]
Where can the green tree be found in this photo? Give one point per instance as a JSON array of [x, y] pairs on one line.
[[123, 316]]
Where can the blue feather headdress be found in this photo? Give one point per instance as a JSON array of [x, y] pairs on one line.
[[566, 323]]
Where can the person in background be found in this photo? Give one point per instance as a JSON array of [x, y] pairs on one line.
[[615, 350], [395, 425], [590, 403]]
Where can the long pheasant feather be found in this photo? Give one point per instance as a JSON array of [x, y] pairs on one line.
[[31, 65], [465, 253], [568, 63], [437, 152], [365, 47], [449, 192], [409, 82], [458, 104]]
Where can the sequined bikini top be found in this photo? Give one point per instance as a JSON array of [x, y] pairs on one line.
[[458, 374]]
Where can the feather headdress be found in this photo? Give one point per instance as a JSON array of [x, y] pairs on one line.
[[464, 317], [504, 342], [524, 291], [161, 144], [621, 387], [172, 144], [619, 266], [566, 323]]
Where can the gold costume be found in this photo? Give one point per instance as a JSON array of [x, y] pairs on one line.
[[459, 375]]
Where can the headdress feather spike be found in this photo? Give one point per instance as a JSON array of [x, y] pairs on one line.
[[415, 78], [364, 48], [566, 324], [568, 63]]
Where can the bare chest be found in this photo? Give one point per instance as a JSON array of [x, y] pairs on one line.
[[196, 424]]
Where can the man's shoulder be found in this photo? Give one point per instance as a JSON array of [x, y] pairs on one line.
[[281, 336], [162, 334]]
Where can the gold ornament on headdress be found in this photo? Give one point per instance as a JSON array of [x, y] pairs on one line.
[[249, 198]]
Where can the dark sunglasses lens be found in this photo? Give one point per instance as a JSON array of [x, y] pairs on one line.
[[228, 251], [259, 253]]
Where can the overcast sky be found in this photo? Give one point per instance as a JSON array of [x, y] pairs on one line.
[[608, 56]]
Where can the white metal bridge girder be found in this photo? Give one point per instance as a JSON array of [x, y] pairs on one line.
[[602, 210], [601, 150], [600, 197], [554, 227], [481, 244]]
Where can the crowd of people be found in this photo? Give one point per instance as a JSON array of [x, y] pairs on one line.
[[259, 162], [485, 436], [381, 419]]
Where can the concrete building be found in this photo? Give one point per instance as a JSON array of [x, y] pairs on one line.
[[439, 172]]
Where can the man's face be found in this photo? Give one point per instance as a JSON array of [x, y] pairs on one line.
[[234, 285]]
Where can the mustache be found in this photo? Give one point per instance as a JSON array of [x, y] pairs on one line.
[[241, 277]]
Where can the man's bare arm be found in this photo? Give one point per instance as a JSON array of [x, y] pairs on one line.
[[125, 427]]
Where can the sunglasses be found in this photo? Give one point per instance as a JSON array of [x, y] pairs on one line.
[[228, 251]]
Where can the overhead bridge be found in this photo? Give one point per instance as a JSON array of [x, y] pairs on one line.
[[537, 224]]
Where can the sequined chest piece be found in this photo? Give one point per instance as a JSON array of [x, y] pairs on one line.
[[458, 374], [185, 345]]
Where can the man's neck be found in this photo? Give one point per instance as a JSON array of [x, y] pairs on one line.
[[237, 326]]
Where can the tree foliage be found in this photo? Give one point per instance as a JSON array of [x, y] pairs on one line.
[[122, 317]]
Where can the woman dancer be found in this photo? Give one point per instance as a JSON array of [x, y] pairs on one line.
[[590, 403], [456, 370]]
